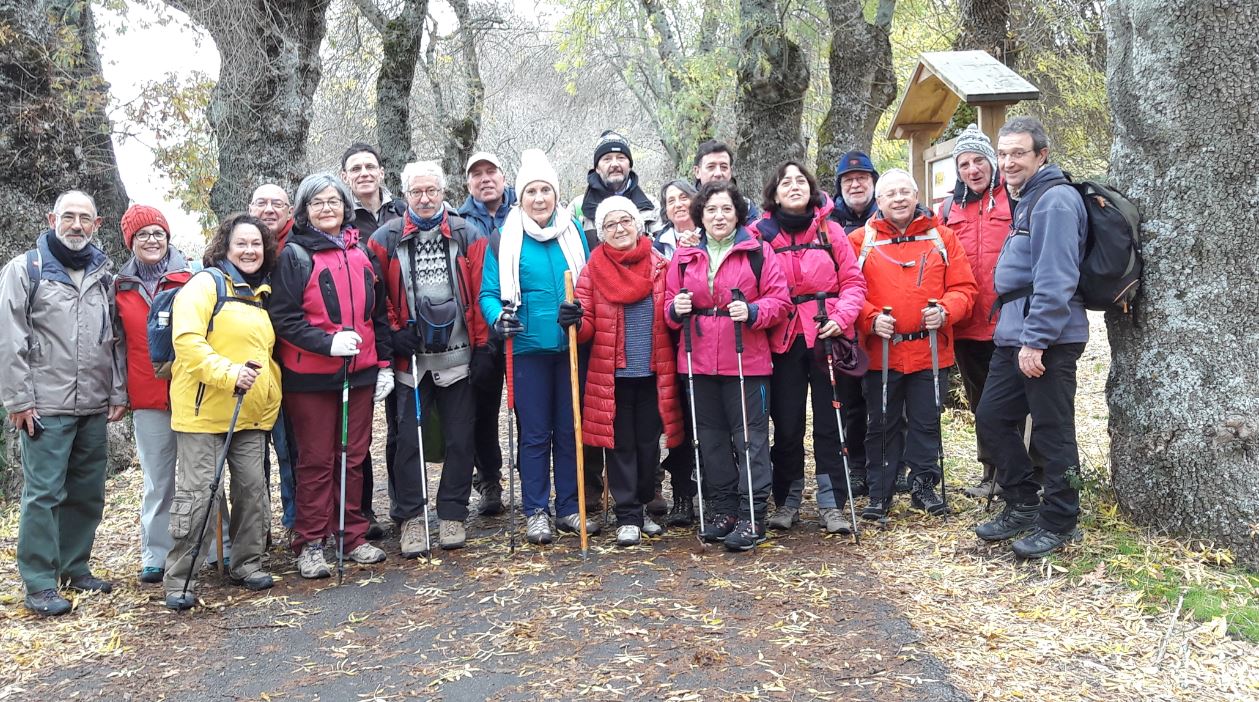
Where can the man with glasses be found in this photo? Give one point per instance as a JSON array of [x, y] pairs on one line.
[[424, 260], [1039, 338], [62, 379], [270, 204]]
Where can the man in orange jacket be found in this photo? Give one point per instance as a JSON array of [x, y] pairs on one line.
[[908, 258]]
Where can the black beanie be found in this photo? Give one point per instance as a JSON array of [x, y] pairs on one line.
[[611, 142]]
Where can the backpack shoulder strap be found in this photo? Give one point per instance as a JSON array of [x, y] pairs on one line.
[[756, 260], [867, 245], [34, 268], [934, 236]]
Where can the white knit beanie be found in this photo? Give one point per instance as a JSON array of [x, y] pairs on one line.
[[617, 203], [534, 166]]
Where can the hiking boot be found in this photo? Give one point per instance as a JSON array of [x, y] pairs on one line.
[[718, 527], [257, 580], [859, 486], [491, 499], [1042, 542], [650, 527], [538, 528], [572, 523], [658, 505], [683, 512], [451, 534], [743, 537], [834, 521], [628, 535], [375, 530], [902, 483], [924, 497], [784, 518], [180, 601], [152, 574], [311, 564], [90, 583], [877, 510], [1011, 522], [981, 490], [47, 603], [411, 539], [366, 554]]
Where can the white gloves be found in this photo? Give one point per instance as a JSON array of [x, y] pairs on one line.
[[384, 384], [345, 343]]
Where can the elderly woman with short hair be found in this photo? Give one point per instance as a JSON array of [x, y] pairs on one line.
[[329, 309]]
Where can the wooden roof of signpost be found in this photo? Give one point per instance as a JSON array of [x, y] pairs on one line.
[[943, 79]]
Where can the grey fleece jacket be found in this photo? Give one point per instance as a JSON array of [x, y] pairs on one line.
[[1047, 258]]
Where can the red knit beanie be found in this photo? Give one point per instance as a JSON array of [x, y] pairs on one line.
[[138, 217]]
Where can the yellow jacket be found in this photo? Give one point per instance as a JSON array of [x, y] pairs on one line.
[[206, 366]]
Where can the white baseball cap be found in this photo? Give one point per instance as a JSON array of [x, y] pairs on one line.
[[481, 156]]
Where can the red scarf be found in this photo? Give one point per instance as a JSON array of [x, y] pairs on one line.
[[623, 276]]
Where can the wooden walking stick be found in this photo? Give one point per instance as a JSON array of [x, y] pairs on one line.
[[572, 381]]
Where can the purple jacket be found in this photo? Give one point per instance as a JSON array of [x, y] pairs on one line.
[[713, 335]]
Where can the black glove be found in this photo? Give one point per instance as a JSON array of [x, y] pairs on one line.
[[482, 369], [406, 342], [508, 324], [570, 314]]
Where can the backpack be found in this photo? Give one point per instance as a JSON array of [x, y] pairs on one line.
[[161, 342], [1110, 272], [869, 242]]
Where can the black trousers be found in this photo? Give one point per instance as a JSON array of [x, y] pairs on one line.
[[911, 429], [680, 463], [718, 406], [406, 487], [852, 397], [973, 359], [487, 397], [1009, 396], [796, 374], [391, 445], [632, 462]]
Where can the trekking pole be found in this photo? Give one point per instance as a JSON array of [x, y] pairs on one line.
[[218, 535], [581, 458], [743, 404], [419, 442], [214, 486], [935, 386], [690, 388], [821, 320], [345, 437], [511, 449], [887, 310]]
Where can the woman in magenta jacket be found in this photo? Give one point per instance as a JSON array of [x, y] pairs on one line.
[[700, 296], [816, 260]]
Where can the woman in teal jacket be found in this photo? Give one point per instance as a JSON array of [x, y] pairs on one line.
[[521, 291]]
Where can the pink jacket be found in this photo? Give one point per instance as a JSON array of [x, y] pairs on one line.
[[818, 260], [713, 335], [981, 228]]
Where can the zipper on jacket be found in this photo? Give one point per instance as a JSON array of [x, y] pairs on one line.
[[196, 410]]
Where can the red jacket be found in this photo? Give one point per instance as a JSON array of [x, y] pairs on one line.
[[981, 228], [713, 336], [604, 322], [480, 330], [814, 263], [144, 389], [904, 276]]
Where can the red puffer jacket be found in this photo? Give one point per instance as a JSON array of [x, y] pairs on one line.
[[144, 389], [816, 260], [904, 276], [981, 227], [604, 322]]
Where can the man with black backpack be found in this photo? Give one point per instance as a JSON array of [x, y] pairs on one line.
[[1039, 338]]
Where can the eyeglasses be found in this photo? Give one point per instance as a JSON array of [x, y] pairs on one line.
[[83, 219], [1015, 154], [626, 223], [430, 193], [329, 204], [273, 204], [151, 236]]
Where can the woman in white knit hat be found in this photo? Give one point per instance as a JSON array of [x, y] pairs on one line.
[[521, 291]]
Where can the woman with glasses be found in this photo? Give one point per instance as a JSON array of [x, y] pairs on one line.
[[330, 317]]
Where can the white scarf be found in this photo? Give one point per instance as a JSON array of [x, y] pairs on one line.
[[515, 227]]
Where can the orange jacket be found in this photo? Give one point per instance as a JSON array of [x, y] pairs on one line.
[[904, 276], [981, 225]]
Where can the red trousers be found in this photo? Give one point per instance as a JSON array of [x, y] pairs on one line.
[[316, 421]]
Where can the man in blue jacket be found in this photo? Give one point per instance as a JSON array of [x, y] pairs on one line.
[[1039, 339]]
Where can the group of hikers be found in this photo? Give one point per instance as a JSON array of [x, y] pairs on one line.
[[695, 317]]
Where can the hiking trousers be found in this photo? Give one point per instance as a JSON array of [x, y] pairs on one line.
[[632, 462], [910, 432], [796, 376], [456, 410], [719, 410]]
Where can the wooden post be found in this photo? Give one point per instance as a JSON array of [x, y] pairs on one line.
[[919, 142], [991, 117]]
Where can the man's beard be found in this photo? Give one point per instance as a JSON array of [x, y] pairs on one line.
[[74, 244]]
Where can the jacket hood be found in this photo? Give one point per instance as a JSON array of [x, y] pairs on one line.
[[313, 239], [178, 263]]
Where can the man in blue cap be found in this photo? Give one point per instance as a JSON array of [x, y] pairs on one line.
[[855, 177]]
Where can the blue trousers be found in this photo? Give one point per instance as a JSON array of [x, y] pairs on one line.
[[544, 412]]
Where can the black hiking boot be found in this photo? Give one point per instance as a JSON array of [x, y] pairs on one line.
[[90, 583], [877, 510], [1042, 542], [743, 537], [47, 603], [924, 497], [1013, 521], [683, 512], [718, 527], [375, 530], [491, 499], [902, 482], [859, 486]]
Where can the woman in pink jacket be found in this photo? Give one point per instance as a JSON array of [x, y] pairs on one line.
[[730, 281], [818, 263]]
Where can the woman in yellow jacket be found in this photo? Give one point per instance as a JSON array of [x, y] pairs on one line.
[[218, 323]]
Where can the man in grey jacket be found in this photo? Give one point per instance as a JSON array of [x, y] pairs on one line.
[[62, 378], [1039, 339]]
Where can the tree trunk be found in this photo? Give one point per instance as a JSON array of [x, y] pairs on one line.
[[863, 83], [53, 128], [983, 26], [400, 40], [261, 106], [773, 78], [1184, 404]]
